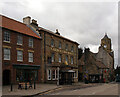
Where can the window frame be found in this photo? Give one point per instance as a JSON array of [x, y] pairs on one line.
[[72, 60], [19, 39], [52, 57], [18, 56], [6, 37], [60, 58], [60, 45], [31, 43], [52, 43], [66, 47], [29, 57], [9, 54]]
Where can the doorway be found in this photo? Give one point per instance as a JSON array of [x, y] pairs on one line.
[[6, 77]]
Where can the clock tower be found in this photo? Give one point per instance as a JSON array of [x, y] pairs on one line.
[[106, 43]]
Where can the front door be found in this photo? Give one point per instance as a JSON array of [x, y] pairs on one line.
[[6, 77]]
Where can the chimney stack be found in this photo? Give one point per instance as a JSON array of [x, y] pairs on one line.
[[34, 22], [57, 32], [27, 20]]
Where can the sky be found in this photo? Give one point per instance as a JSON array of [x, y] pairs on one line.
[[83, 22]]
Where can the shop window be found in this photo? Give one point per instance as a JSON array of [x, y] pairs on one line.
[[19, 40], [30, 55], [6, 54], [6, 36], [49, 74], [31, 42], [19, 55]]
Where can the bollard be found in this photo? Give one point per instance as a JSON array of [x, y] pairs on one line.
[[26, 86], [34, 85], [11, 87]]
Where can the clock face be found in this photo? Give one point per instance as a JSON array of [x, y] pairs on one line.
[[105, 46]]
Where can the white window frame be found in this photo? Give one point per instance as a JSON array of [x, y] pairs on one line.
[[31, 43], [19, 55], [6, 36], [49, 74], [20, 40], [7, 53], [30, 56]]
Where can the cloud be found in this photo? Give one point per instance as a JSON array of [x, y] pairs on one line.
[[84, 22]]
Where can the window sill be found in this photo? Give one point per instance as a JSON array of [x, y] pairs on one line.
[[20, 60], [19, 44], [6, 41], [7, 59]]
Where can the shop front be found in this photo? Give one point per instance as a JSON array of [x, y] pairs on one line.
[[27, 73]]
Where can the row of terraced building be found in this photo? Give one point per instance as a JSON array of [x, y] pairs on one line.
[[32, 53]]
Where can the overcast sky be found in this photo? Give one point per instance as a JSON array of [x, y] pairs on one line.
[[83, 22]]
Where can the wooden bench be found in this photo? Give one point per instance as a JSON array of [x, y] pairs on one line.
[[23, 84]]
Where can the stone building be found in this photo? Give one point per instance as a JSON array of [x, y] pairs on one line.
[[21, 55], [59, 55], [99, 65], [106, 55]]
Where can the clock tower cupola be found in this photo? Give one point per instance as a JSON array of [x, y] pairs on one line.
[[106, 43]]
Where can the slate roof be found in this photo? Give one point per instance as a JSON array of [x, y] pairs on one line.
[[16, 26]]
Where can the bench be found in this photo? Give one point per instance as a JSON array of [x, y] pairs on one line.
[[22, 85]]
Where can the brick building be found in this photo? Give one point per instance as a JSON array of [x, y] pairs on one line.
[[21, 55], [60, 55]]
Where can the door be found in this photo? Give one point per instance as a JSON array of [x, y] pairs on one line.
[[6, 77]]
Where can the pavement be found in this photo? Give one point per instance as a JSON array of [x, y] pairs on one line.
[[42, 89]]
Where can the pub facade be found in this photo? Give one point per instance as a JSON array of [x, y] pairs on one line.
[[59, 55]]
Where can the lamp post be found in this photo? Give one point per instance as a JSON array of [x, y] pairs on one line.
[[58, 75]]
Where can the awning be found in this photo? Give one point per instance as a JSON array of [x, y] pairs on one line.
[[26, 66], [70, 71]]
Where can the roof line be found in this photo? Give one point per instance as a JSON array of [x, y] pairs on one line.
[[57, 35], [12, 19]]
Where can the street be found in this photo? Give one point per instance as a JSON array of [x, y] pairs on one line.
[[103, 89]]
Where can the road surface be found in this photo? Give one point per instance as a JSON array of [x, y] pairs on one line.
[[104, 89]]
